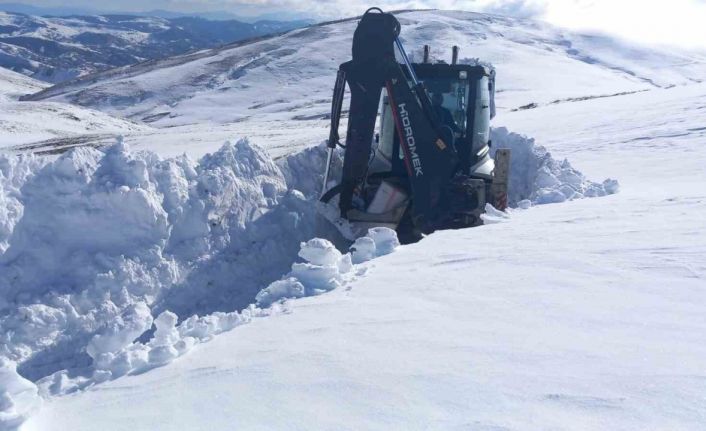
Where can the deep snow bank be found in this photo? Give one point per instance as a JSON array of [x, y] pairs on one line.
[[93, 234], [537, 178], [97, 243], [14, 172]]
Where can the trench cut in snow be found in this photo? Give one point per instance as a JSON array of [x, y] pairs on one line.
[[99, 247], [114, 355]]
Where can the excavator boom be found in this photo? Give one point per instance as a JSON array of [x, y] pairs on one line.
[[433, 193], [428, 159]]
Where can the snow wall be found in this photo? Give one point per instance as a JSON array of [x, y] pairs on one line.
[[99, 248]]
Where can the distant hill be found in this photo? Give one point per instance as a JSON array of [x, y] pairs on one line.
[[244, 13], [291, 76], [13, 85], [55, 49]]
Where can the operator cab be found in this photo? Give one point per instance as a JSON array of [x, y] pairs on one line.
[[462, 98]]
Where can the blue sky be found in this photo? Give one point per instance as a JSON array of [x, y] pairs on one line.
[[671, 22]]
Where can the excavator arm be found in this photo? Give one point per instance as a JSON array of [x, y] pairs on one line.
[[429, 157]]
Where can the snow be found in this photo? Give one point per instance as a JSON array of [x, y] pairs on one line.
[[584, 315], [18, 396], [13, 85], [24, 123], [173, 292], [98, 242], [195, 88], [91, 235], [121, 331], [114, 352], [523, 330], [536, 176]]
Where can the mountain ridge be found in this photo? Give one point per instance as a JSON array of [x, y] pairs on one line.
[[313, 53], [55, 49]]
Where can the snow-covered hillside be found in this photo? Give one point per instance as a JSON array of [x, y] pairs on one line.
[[581, 316], [55, 125], [274, 89], [536, 63], [13, 85]]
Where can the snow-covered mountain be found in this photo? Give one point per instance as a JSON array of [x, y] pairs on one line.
[[58, 48]]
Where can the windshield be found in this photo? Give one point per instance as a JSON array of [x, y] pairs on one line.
[[449, 100]]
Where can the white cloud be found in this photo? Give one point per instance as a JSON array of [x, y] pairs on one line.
[[517, 8], [668, 22], [671, 22]]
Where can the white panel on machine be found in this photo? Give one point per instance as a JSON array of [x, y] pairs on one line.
[[387, 198]]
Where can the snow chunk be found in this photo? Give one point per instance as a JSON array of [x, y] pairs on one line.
[[385, 240], [326, 266], [162, 355], [166, 332], [611, 186], [319, 252], [286, 288], [323, 271], [493, 215], [123, 331], [18, 397], [524, 204], [363, 249], [165, 337], [317, 278], [320, 274]]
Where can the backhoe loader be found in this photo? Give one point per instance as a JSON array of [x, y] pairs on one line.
[[416, 156]]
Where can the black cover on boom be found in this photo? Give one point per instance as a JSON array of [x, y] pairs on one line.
[[429, 159]]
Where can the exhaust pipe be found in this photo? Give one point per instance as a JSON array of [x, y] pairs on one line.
[[426, 54], [454, 54]]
